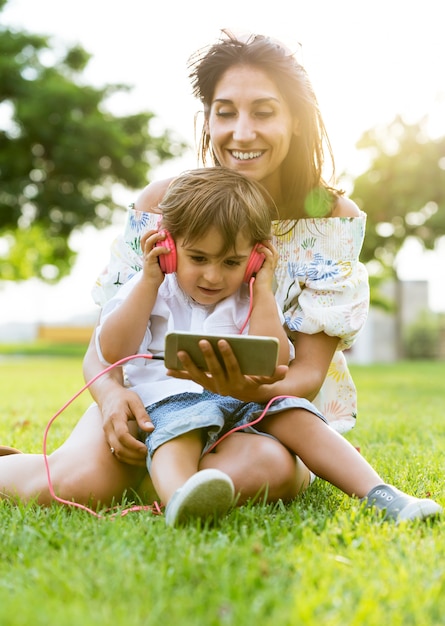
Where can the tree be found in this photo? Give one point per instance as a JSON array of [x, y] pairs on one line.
[[403, 194], [403, 191], [61, 153]]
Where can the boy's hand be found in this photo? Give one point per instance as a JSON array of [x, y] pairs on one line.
[[227, 380], [265, 275], [150, 255]]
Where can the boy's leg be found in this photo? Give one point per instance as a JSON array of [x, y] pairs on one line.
[[174, 462], [332, 457], [325, 452], [188, 493]]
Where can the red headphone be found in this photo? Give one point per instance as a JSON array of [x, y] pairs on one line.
[[168, 261]]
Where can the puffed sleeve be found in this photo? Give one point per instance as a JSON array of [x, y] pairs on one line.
[[125, 255], [321, 284]]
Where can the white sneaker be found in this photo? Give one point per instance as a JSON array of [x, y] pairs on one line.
[[207, 494], [399, 506]]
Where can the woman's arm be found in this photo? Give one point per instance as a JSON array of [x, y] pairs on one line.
[[119, 407], [151, 196], [264, 318], [308, 370], [345, 207]]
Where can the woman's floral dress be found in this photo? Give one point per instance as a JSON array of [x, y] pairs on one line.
[[321, 286]]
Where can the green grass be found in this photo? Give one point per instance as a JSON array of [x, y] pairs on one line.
[[43, 348], [320, 561]]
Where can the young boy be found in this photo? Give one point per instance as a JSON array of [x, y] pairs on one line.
[[196, 274]]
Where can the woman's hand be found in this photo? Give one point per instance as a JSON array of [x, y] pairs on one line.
[[122, 410], [122, 413], [227, 380]]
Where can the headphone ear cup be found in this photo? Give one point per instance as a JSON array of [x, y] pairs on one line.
[[254, 263], [167, 262]]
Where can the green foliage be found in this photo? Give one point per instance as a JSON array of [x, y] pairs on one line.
[[403, 191], [422, 337], [32, 253], [61, 153], [320, 560]]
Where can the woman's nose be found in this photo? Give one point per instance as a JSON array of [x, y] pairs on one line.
[[244, 129]]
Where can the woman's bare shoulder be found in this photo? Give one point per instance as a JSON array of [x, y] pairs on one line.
[[152, 195], [345, 207]]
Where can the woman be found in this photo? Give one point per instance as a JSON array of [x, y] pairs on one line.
[[262, 119]]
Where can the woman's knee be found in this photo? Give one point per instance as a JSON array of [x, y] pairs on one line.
[[260, 467], [282, 472]]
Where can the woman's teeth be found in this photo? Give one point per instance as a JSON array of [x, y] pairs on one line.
[[245, 156]]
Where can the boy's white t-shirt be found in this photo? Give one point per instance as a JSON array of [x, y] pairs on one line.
[[174, 310]]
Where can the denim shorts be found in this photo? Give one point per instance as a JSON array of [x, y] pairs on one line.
[[212, 413]]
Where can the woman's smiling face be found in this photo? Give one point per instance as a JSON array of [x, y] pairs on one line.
[[250, 125]]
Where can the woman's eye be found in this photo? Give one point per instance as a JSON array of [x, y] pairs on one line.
[[225, 113], [264, 114]]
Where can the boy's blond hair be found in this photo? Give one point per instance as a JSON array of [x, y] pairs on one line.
[[217, 197]]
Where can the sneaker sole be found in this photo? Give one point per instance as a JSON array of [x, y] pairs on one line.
[[208, 494], [421, 509]]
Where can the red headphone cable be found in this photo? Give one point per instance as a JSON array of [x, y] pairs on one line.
[[154, 508]]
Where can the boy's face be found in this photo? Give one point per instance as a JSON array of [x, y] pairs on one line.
[[205, 275]]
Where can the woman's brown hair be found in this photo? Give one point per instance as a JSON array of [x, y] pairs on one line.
[[303, 165]]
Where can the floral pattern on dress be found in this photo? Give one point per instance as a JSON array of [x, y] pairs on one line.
[[320, 285], [125, 255]]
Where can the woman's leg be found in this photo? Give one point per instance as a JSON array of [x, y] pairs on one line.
[[82, 469], [7, 450], [258, 466]]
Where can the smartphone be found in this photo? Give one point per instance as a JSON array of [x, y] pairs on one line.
[[257, 356]]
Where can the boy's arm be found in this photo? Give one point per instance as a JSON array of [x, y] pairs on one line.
[[123, 329], [265, 318]]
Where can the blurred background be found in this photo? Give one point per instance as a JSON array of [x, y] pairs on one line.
[[102, 87]]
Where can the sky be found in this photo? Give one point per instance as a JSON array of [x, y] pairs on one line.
[[369, 60]]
